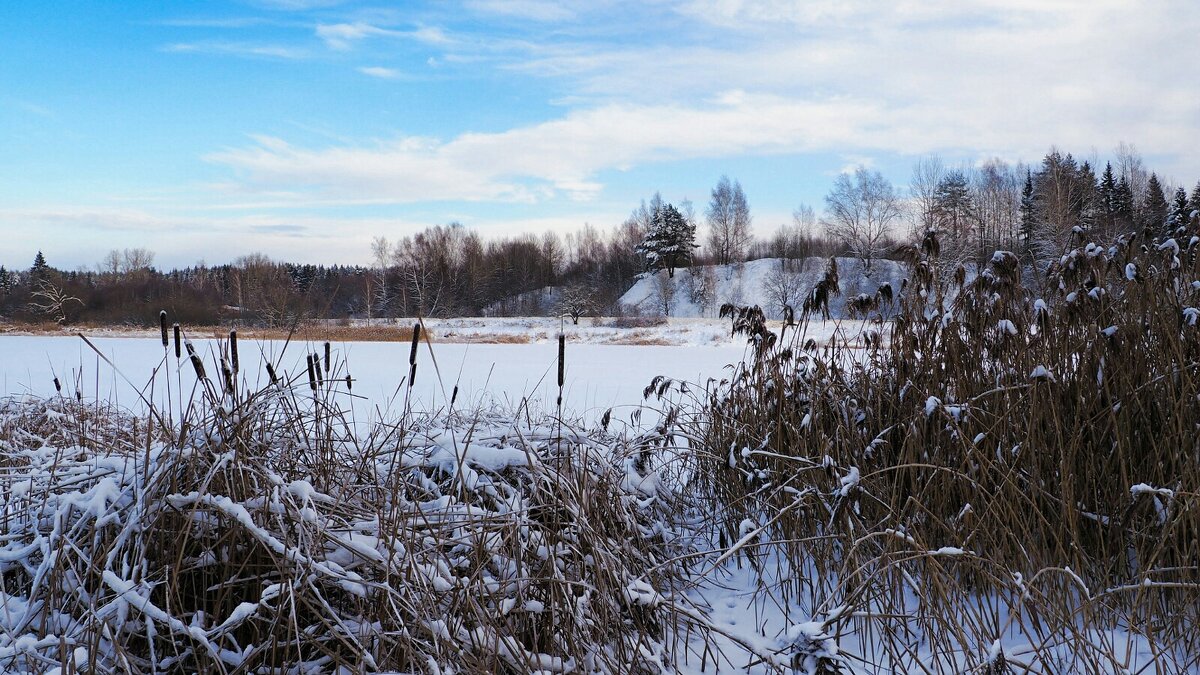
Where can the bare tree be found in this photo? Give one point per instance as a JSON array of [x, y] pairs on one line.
[[996, 191], [728, 222], [379, 292], [700, 286], [1129, 165], [576, 301], [127, 261], [664, 292], [52, 300], [783, 286], [136, 260], [860, 211], [927, 175]]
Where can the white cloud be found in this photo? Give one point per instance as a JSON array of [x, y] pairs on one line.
[[981, 76], [380, 72], [244, 49], [852, 78], [343, 36], [537, 10], [556, 158]]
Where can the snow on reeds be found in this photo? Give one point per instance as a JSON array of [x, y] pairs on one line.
[[1002, 479], [1012, 483], [251, 531]]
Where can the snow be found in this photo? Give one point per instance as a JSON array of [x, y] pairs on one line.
[[747, 284], [1041, 373], [601, 374]]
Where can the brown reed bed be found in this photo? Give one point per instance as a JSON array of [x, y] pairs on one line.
[[1011, 485]]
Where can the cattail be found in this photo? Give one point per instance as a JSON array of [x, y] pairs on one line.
[[197, 364], [327, 357], [312, 376], [177, 341], [349, 384], [57, 385], [233, 352], [316, 361], [227, 375], [271, 374], [412, 354], [562, 351], [454, 396], [162, 324]]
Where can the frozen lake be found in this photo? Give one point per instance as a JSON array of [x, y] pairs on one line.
[[597, 377]]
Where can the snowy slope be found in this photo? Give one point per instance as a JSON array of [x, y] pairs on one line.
[[750, 283]]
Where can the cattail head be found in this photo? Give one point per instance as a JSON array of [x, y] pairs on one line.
[[162, 324], [454, 396], [197, 364], [227, 375], [271, 374], [412, 354], [312, 375], [57, 385], [316, 361], [233, 350], [178, 354], [349, 382], [328, 350], [562, 350]]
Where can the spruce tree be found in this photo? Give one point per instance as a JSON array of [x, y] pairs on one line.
[[1087, 207], [1028, 210], [1194, 203], [1155, 206], [1123, 204], [1106, 196], [1178, 211], [40, 268]]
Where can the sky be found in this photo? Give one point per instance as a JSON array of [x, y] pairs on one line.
[[302, 129]]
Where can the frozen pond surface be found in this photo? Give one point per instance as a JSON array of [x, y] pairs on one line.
[[597, 376]]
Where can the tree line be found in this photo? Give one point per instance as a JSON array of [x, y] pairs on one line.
[[449, 270]]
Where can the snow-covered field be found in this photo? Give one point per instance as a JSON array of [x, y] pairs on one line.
[[762, 282], [501, 361], [597, 377]]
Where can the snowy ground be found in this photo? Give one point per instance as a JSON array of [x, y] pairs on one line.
[[680, 331], [758, 282], [491, 360], [598, 377]]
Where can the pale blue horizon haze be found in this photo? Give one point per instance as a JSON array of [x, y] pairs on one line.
[[304, 128]]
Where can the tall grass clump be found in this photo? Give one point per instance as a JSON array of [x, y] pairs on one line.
[[1005, 476], [259, 529]]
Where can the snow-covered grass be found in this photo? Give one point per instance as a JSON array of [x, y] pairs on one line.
[[998, 490], [768, 282], [1005, 484]]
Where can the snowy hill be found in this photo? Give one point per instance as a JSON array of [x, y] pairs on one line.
[[700, 291]]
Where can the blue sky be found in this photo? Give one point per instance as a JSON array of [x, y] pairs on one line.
[[304, 128]]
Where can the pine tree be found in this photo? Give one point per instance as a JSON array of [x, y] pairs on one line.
[[6, 281], [1028, 210], [669, 241], [1155, 205], [1194, 203]]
